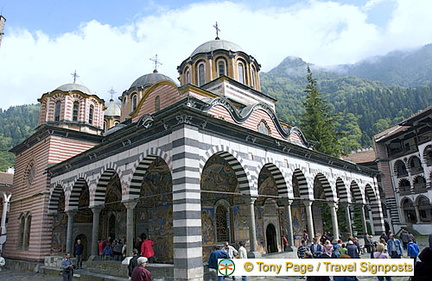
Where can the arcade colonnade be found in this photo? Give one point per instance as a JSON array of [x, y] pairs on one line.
[[171, 173]]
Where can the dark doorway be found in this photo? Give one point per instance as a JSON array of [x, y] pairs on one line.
[[84, 242], [271, 239]]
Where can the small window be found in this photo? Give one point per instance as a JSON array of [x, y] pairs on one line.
[[241, 72], [57, 111], [188, 76], [221, 68], [134, 102], [263, 128], [201, 74], [91, 111], [75, 111], [157, 103], [253, 79], [30, 174]]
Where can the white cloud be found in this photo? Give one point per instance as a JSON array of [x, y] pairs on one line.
[[107, 56]]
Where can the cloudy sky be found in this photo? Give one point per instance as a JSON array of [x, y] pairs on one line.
[[109, 43]]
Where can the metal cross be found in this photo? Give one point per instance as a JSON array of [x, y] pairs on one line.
[[156, 62], [75, 76], [217, 31], [112, 92]]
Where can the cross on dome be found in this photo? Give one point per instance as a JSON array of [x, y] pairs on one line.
[[75, 76], [156, 63], [217, 31]]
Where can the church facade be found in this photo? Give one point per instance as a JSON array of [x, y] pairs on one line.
[[191, 166]]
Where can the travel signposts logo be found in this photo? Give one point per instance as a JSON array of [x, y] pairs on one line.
[[226, 267]]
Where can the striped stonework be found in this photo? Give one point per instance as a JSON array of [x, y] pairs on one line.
[[186, 205], [375, 205]]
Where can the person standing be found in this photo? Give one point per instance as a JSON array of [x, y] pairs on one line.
[[242, 255], [413, 250], [213, 262], [394, 247], [381, 254], [302, 249], [404, 237], [140, 273], [285, 243], [367, 242], [133, 262], [316, 248], [230, 250], [67, 268], [78, 252], [306, 236], [147, 249], [352, 250]]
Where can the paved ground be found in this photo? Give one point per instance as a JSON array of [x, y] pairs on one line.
[[13, 275]]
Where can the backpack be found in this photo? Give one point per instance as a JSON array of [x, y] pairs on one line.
[[413, 250]]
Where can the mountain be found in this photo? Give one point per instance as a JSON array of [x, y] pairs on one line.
[[411, 68], [398, 86], [16, 124]]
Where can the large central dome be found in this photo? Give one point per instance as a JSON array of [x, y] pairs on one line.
[[214, 45]]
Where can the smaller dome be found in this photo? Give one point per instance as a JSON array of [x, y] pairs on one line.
[[149, 79], [213, 45], [113, 109], [74, 87]]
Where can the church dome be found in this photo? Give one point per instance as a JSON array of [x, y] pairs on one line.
[[147, 80], [214, 45], [74, 87], [112, 109]]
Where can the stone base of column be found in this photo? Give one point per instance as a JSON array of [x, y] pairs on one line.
[[254, 254], [93, 258]]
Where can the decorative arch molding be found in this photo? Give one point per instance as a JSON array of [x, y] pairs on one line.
[[356, 193], [342, 191], [247, 183], [417, 200], [328, 191], [76, 192], [278, 177], [305, 193], [242, 116], [54, 198], [140, 168], [102, 183]]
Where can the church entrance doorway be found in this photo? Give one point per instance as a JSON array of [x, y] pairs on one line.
[[271, 239]]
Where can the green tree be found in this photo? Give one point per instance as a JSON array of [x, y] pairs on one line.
[[317, 123]]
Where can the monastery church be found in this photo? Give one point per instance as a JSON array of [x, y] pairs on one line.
[[190, 164]]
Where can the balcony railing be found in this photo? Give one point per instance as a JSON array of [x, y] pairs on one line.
[[416, 170]]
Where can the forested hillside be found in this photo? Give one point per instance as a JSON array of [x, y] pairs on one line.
[[16, 124], [365, 107]]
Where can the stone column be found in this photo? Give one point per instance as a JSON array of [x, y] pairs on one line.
[[417, 212], [252, 227], [95, 231], [130, 227], [6, 199], [363, 218], [70, 214], [289, 223], [308, 205], [371, 221], [348, 218], [333, 213]]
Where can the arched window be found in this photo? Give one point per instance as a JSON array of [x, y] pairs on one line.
[[253, 78], [24, 231], [91, 111], [57, 111], [188, 76], [75, 111], [241, 72], [221, 67], [263, 128], [222, 231], [134, 102], [201, 74], [157, 103]]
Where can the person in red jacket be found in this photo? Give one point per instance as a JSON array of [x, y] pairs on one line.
[[147, 249]]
